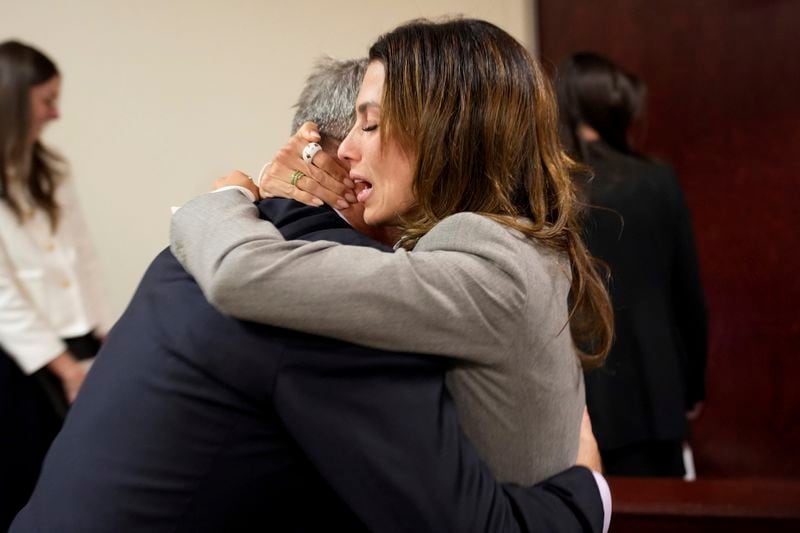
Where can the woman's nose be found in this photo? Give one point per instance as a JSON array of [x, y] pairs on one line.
[[347, 148]]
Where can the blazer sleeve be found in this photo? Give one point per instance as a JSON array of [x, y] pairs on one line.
[[689, 306], [459, 292], [24, 334], [393, 450]]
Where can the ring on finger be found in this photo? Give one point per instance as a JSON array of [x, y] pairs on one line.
[[310, 151], [296, 175]]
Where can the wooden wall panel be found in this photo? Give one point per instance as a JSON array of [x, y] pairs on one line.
[[724, 109]]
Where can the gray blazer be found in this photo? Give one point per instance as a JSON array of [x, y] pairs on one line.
[[472, 289]]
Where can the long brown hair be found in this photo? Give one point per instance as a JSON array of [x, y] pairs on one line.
[[480, 116], [21, 68]]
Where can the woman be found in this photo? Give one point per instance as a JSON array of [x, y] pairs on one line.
[[49, 302], [639, 225], [455, 143]]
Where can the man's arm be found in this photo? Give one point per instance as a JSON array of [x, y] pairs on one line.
[[382, 430]]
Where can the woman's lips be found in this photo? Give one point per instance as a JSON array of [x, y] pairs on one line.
[[363, 189]]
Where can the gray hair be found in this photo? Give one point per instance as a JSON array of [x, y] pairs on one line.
[[329, 96]]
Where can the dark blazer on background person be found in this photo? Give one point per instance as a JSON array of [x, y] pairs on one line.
[[193, 421], [639, 225]]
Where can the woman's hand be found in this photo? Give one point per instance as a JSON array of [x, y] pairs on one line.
[[324, 179], [70, 372], [588, 452], [237, 178]]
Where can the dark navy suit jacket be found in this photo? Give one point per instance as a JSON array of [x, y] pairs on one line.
[[192, 421]]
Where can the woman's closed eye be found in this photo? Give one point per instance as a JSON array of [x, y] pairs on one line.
[[369, 127]]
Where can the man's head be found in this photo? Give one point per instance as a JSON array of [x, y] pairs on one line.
[[328, 99]]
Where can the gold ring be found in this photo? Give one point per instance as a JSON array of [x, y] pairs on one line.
[[296, 175]]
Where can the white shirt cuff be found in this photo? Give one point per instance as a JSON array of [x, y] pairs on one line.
[[605, 495], [250, 196]]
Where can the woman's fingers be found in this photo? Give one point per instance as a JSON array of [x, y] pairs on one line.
[[330, 168], [307, 198], [308, 132], [323, 180], [276, 181], [290, 157], [326, 170], [318, 176], [333, 188], [330, 165], [306, 183]]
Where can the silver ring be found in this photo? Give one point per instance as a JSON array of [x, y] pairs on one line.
[[310, 151]]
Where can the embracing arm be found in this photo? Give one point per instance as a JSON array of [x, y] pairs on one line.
[[383, 432], [457, 293]]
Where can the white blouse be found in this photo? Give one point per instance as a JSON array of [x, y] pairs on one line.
[[49, 282]]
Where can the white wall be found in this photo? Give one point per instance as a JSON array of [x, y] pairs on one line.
[[162, 96]]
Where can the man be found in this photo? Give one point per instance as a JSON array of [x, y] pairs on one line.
[[192, 421]]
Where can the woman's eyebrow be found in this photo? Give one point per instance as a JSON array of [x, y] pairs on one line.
[[362, 107]]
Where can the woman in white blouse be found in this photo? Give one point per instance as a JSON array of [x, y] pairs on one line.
[[50, 308]]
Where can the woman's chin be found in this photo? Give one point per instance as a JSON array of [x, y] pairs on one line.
[[369, 217], [375, 219]]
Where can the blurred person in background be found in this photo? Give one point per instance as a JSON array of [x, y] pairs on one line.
[[50, 305], [639, 224]]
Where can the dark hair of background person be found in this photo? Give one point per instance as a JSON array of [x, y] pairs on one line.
[[476, 110], [21, 68], [592, 90], [328, 96]]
